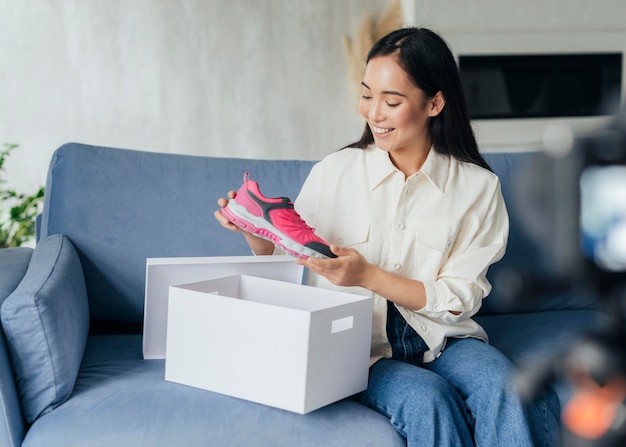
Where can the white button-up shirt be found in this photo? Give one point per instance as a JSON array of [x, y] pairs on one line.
[[443, 226]]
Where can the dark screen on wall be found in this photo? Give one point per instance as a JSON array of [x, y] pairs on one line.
[[533, 86]]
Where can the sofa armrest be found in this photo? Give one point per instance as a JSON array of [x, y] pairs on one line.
[[12, 428], [13, 265]]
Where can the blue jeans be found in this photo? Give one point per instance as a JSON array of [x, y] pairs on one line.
[[463, 398]]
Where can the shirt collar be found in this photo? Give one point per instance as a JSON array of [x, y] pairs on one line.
[[379, 166], [435, 168]]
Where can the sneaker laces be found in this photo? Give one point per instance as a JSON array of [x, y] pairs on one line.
[[299, 219]]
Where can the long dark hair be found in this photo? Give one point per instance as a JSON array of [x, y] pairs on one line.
[[431, 66]]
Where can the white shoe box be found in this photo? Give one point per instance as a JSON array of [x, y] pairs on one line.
[[272, 342]]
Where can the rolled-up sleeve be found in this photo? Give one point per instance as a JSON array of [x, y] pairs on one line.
[[461, 284]]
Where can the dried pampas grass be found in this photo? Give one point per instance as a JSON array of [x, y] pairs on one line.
[[367, 33]]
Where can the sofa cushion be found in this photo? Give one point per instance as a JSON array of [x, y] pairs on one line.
[[46, 321], [523, 336], [122, 399]]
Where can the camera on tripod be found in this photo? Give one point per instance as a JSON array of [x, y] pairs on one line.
[[577, 187]]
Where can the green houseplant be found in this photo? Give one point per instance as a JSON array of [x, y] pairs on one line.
[[18, 212]]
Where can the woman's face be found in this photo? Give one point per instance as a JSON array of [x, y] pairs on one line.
[[396, 110]]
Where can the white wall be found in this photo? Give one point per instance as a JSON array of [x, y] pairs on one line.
[[509, 16], [242, 78]]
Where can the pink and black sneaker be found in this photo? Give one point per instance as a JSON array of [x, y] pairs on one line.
[[274, 219]]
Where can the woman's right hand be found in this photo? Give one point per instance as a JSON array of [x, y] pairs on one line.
[[223, 220], [259, 246]]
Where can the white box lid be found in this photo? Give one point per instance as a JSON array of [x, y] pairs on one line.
[[161, 273]]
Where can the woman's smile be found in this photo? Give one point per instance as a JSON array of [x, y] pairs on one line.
[[381, 130]]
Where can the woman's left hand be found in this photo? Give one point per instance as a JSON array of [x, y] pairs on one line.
[[348, 269]]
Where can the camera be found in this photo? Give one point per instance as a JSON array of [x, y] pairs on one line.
[[577, 188]]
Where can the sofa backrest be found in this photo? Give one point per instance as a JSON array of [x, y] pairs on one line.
[[531, 276], [119, 207]]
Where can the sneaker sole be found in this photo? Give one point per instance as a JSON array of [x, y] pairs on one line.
[[240, 216]]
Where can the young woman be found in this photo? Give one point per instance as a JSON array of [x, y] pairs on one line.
[[416, 217]]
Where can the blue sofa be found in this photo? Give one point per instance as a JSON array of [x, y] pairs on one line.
[[71, 366]]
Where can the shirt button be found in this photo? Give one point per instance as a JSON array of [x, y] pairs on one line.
[[400, 226], [406, 191], [397, 266], [340, 240], [448, 244], [423, 328], [436, 307]]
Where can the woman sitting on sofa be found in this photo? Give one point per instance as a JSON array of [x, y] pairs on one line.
[[427, 219]]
